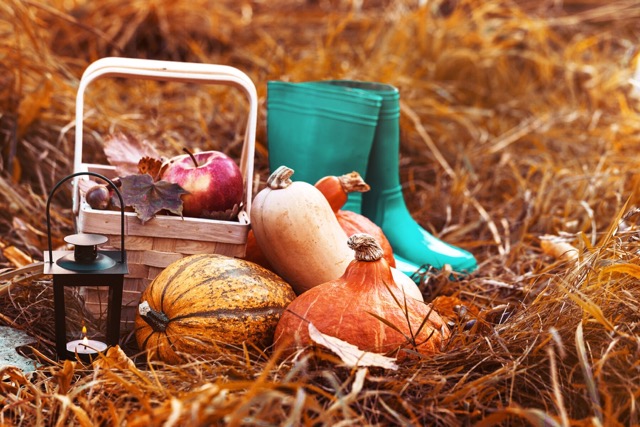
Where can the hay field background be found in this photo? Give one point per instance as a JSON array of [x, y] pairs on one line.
[[518, 122]]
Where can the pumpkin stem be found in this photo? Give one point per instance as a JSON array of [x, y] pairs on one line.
[[366, 247], [156, 319], [280, 178], [352, 182]]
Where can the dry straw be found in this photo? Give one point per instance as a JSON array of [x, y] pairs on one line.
[[518, 121]]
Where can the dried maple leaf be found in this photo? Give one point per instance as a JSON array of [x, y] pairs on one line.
[[125, 151], [151, 166], [148, 197]]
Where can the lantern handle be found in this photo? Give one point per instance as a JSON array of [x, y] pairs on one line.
[[104, 178]]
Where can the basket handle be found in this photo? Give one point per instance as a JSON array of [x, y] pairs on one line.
[[187, 72]]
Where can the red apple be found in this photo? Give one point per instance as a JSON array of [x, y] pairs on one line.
[[212, 178]]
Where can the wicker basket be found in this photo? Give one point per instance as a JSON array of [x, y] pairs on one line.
[[155, 244]]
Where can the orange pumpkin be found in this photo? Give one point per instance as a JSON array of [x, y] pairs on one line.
[[203, 303], [364, 307]]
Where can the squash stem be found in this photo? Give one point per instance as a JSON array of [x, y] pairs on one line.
[[352, 182], [280, 178], [365, 246], [156, 319]]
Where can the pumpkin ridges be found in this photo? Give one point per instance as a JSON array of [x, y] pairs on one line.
[[177, 298], [225, 273], [182, 267], [153, 342], [229, 313], [145, 341]]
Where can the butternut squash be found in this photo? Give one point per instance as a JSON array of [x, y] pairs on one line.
[[298, 233]]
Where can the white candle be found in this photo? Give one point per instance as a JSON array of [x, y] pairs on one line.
[[86, 346]]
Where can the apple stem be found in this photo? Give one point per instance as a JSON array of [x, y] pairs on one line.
[[186, 150]]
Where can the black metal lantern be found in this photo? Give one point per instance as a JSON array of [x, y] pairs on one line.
[[85, 266]]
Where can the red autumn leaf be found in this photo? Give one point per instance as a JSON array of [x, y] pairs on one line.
[[148, 197]]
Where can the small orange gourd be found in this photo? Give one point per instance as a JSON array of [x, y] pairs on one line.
[[336, 189], [364, 307]]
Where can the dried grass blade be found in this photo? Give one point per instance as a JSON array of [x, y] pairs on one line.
[[356, 388], [81, 414], [298, 408], [557, 392], [589, 307], [401, 419], [632, 270], [176, 412], [588, 374], [536, 417], [417, 123]]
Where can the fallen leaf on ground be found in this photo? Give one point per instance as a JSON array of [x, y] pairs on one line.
[[114, 358], [351, 355], [558, 248]]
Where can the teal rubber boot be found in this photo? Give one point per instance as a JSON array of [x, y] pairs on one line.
[[319, 130], [384, 204]]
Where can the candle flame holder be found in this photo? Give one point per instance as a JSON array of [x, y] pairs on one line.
[[86, 265]]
